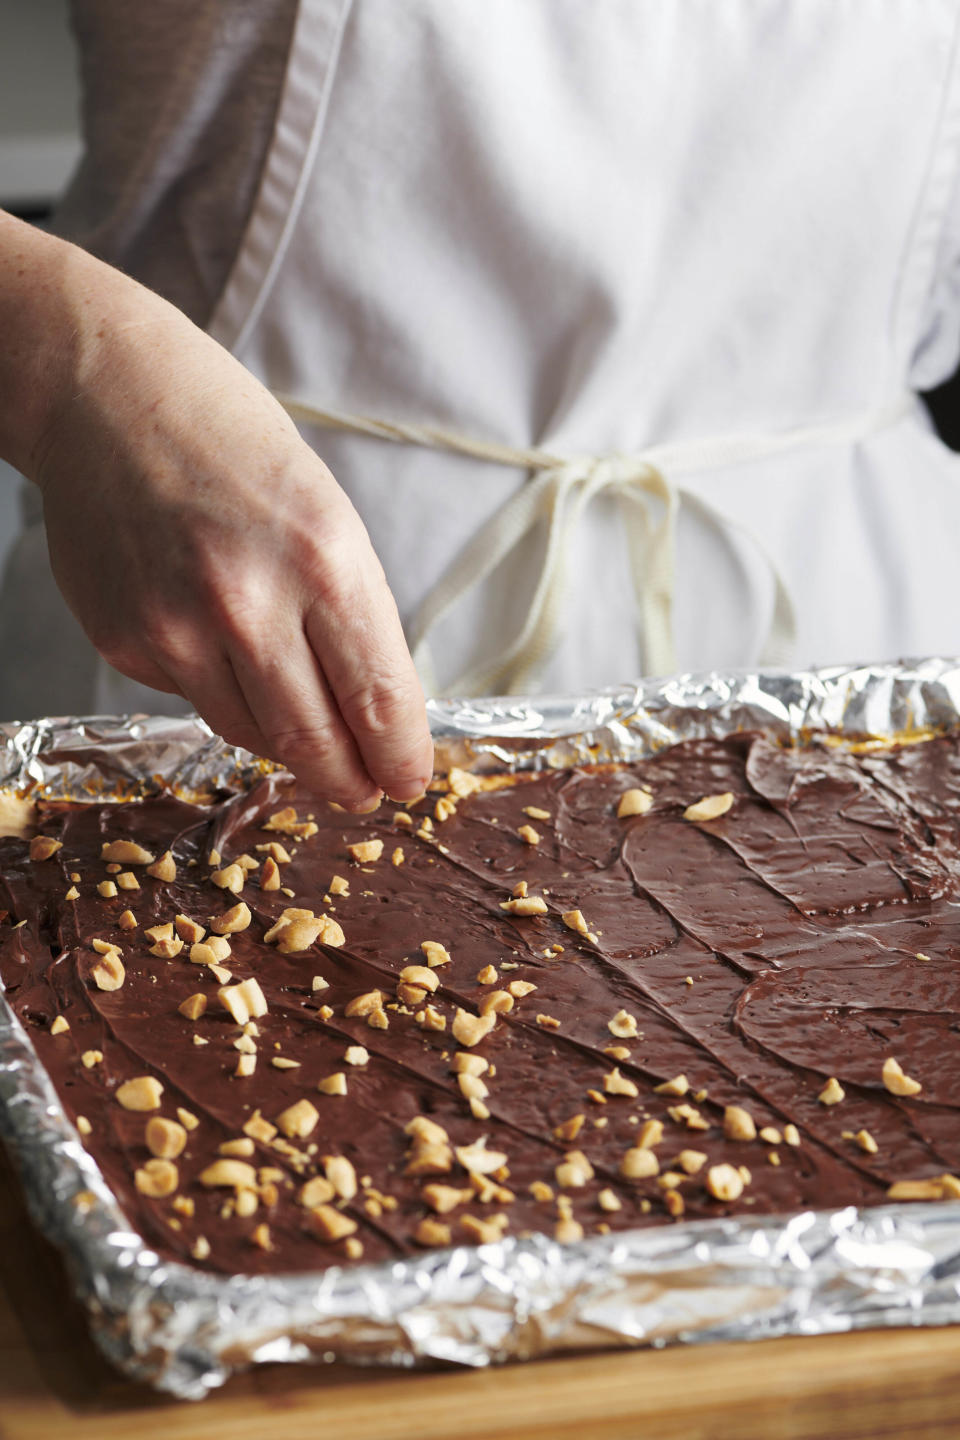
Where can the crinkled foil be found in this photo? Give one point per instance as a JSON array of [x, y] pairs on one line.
[[186, 1331]]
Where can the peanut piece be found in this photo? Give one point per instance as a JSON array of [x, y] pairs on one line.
[[157, 1179], [832, 1093], [298, 1120], [44, 847], [711, 807], [895, 1080], [470, 1029], [125, 852], [236, 918], [141, 1093], [164, 1138], [634, 802], [724, 1182], [738, 1123]]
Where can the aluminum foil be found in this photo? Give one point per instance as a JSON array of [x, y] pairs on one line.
[[185, 1331]]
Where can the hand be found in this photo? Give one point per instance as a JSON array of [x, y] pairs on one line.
[[207, 551]]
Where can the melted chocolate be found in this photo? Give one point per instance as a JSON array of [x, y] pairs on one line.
[[761, 953]]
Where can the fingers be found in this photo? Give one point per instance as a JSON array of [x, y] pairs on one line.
[[290, 704], [356, 630]]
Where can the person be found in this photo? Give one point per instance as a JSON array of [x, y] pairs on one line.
[[644, 291]]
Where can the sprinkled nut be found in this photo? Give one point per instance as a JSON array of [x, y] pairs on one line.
[[674, 1203], [298, 1120], [634, 802], [335, 1084], [488, 975], [163, 869], [282, 1062], [126, 880], [724, 1182], [895, 1080], [478, 1159], [525, 905], [236, 918], [285, 821], [157, 1179], [832, 1093], [298, 935], [366, 851], [420, 975], [125, 852], [738, 1123], [691, 1162], [108, 973], [770, 1135], [651, 1134], [470, 1029], [167, 949], [445, 807], [521, 988], [72, 894], [194, 1006], [623, 1025], [574, 1171], [89, 1058], [711, 807], [230, 1174], [107, 889], [617, 1084], [609, 1201], [570, 1128], [317, 1191], [246, 1065], [916, 1189], [164, 1138], [329, 1224], [430, 1018], [44, 847], [357, 1055], [791, 1135], [364, 1004], [243, 1001], [127, 921], [231, 878], [341, 1174], [436, 953], [83, 1125], [444, 1198], [497, 1002], [528, 835], [259, 1128], [866, 1142], [677, 1086], [573, 919], [187, 1119], [60, 1025], [190, 931], [472, 1087], [141, 1093], [639, 1163], [432, 1233]]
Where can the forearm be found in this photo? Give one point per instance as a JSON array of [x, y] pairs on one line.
[[37, 333]]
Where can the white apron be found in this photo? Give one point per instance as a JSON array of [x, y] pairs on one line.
[[722, 236]]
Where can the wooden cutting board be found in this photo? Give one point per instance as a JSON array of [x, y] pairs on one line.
[[901, 1384]]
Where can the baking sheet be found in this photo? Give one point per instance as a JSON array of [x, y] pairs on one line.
[[185, 1331]]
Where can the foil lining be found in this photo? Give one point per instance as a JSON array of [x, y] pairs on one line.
[[185, 1331]]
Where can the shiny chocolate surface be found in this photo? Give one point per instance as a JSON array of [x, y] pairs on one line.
[[809, 932]]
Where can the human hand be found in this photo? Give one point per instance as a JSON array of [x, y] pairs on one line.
[[207, 551]]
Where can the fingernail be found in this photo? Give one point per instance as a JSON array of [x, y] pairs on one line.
[[366, 807], [409, 799]]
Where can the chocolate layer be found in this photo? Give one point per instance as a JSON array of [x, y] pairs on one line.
[[809, 932]]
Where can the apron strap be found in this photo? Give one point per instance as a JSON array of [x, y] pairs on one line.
[[558, 492]]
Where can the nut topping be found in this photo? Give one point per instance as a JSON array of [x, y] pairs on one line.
[[711, 807], [832, 1093], [329, 1224], [724, 1182], [895, 1080], [436, 953], [624, 1026], [44, 847], [677, 1086], [108, 973], [194, 1006], [125, 852], [157, 1179], [236, 918], [617, 1084], [165, 1138], [471, 1029], [525, 905], [163, 869], [141, 1093], [366, 851], [639, 1163], [738, 1123], [298, 1120], [634, 802]]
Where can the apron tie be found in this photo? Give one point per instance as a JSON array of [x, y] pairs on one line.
[[558, 492]]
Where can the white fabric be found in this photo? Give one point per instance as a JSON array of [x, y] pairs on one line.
[[597, 229]]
